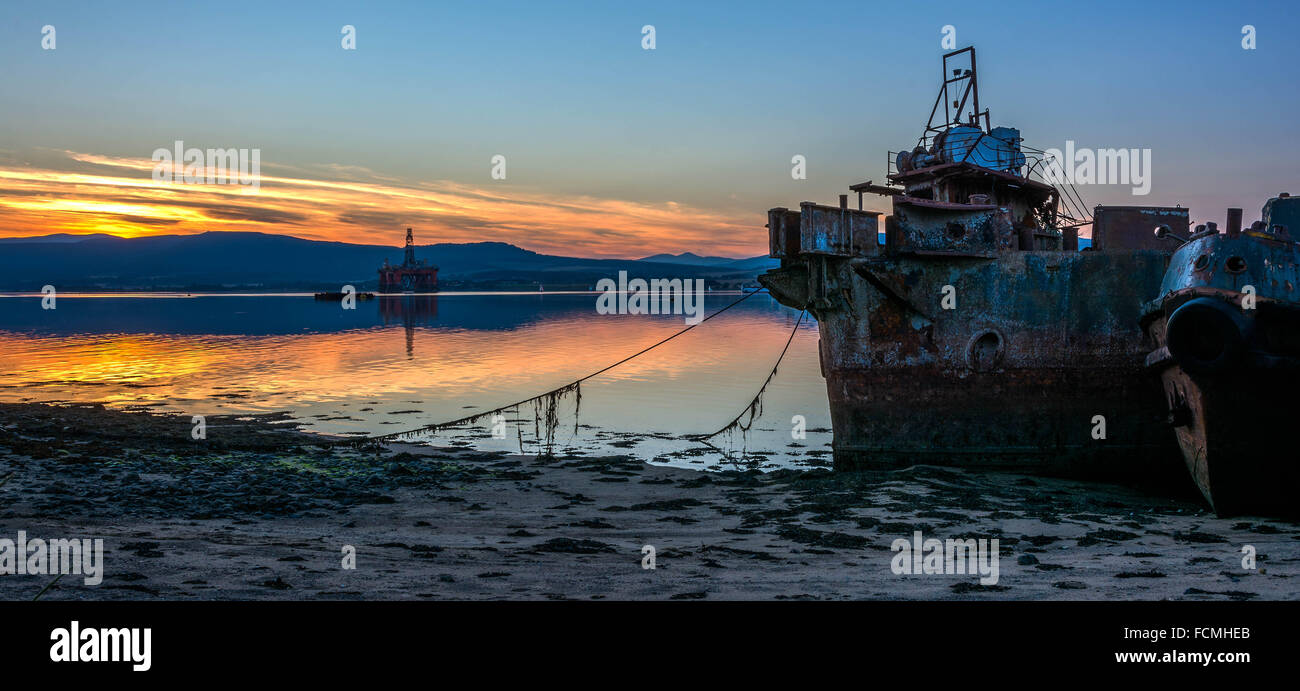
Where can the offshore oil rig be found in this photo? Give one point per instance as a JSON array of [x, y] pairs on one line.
[[411, 276]]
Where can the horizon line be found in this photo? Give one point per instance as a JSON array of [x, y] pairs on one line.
[[33, 239]]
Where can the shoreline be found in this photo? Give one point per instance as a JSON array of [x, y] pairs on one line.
[[260, 511]]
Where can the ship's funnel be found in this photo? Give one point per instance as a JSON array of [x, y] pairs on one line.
[[1234, 221]]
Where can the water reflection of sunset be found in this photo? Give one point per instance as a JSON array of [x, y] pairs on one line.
[[693, 383]]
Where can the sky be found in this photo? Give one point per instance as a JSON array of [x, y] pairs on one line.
[[610, 150]]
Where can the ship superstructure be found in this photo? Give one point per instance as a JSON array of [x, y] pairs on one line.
[[976, 332]]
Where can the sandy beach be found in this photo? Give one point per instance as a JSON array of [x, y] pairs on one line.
[[259, 510]]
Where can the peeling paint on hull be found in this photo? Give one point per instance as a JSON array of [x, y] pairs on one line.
[[978, 334], [1230, 367], [1029, 419], [1037, 345], [1231, 441]]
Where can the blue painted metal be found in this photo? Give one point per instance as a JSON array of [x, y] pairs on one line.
[[1226, 326], [1230, 262], [997, 149], [1283, 211], [1005, 143]]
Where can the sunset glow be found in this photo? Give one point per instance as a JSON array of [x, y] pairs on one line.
[[118, 196]]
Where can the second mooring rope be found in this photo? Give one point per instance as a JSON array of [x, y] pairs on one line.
[[550, 396], [755, 407]]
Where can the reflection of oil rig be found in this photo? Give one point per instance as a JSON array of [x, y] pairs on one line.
[[411, 276], [410, 311]]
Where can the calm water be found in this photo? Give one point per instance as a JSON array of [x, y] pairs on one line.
[[399, 362]]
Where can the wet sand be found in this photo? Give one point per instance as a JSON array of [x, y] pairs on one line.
[[259, 511]]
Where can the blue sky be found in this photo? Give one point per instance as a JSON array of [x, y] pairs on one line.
[[709, 119]]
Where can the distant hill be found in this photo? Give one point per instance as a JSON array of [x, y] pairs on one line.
[[55, 237], [756, 264], [216, 260], [687, 258]]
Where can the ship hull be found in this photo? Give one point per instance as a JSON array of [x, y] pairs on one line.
[[1233, 420], [1236, 438], [1226, 335], [1034, 363], [1031, 419]]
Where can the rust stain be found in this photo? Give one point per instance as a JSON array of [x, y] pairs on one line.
[[976, 333]]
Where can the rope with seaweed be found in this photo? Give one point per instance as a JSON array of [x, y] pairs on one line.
[[755, 407], [550, 397]]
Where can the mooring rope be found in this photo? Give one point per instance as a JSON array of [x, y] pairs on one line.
[[755, 407], [553, 394]]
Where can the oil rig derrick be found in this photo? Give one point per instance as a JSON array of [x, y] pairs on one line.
[[411, 276]]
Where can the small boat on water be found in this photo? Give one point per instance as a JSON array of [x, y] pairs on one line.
[[1226, 331], [338, 297]]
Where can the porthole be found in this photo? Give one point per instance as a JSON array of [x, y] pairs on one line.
[[985, 352]]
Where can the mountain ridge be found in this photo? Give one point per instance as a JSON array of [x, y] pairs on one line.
[[231, 259]]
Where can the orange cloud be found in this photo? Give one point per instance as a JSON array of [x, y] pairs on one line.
[[91, 193]]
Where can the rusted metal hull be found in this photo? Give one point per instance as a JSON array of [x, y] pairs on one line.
[[977, 334], [1236, 438], [1036, 419], [1226, 331], [1037, 365]]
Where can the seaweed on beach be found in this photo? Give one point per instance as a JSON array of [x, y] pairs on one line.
[[744, 421], [545, 405], [546, 416], [545, 413]]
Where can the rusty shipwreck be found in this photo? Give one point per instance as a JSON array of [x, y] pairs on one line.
[[1226, 330], [976, 332]]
